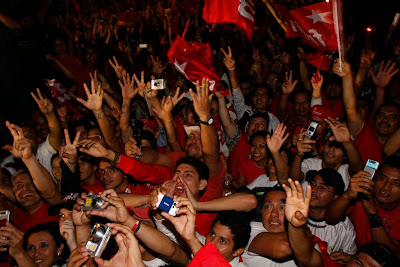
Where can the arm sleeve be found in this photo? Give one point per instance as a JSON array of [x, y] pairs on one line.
[[153, 174], [316, 101], [238, 103]]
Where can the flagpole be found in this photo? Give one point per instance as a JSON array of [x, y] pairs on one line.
[[337, 30], [273, 12]]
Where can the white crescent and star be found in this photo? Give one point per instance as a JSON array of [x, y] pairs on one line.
[[180, 67], [316, 17]]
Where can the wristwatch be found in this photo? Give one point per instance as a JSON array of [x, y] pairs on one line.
[[208, 122]]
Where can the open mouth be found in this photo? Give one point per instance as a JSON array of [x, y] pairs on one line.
[[179, 190], [39, 261]]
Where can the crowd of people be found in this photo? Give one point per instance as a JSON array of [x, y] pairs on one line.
[[272, 173]]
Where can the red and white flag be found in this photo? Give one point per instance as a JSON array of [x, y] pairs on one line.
[[240, 12], [321, 60], [314, 23], [194, 60]]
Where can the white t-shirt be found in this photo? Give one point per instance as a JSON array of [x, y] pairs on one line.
[[316, 164], [340, 237], [261, 181], [254, 260], [155, 263]]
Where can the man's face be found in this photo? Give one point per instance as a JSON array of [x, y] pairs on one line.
[[321, 194], [41, 126], [257, 124], [96, 135], [333, 90], [25, 192], [111, 178], [273, 211], [387, 186], [193, 145], [258, 149], [332, 155], [221, 236], [31, 135], [364, 260], [260, 99], [272, 80], [245, 88], [86, 170], [301, 105], [387, 120], [65, 215], [214, 108], [188, 174]]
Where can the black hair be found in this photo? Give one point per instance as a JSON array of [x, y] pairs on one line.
[[200, 167], [261, 193], [53, 229], [272, 189], [392, 161], [264, 116], [270, 91], [390, 104], [300, 91], [53, 157], [381, 253], [246, 78], [238, 223]]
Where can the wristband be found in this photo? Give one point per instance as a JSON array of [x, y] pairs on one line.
[[136, 227], [232, 68], [115, 161], [374, 220], [98, 115]]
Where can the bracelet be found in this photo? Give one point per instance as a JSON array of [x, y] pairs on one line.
[[136, 227], [98, 115], [115, 161], [374, 220], [232, 68], [170, 119]]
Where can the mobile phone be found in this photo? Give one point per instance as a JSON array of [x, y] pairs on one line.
[[371, 166], [311, 131], [167, 204], [142, 45], [157, 84], [4, 217]]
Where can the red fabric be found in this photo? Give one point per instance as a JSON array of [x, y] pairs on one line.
[[195, 61], [154, 174], [336, 107], [24, 221], [240, 12], [314, 23], [320, 60], [321, 112], [328, 262], [96, 188], [390, 219], [240, 153], [62, 96], [208, 256], [249, 170], [368, 145], [180, 130]]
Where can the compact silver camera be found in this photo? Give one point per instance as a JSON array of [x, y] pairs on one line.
[[157, 84], [98, 239], [312, 128], [93, 202]]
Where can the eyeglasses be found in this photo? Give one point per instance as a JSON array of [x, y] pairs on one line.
[[320, 188]]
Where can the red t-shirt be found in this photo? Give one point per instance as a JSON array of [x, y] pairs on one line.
[[180, 130], [249, 170], [336, 107], [240, 153], [96, 188], [24, 221], [390, 219], [368, 145]]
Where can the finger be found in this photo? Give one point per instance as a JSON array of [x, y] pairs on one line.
[[142, 77], [224, 52], [39, 94], [308, 196], [300, 193], [115, 61], [34, 97], [230, 51], [67, 139], [93, 87], [86, 89], [292, 186]]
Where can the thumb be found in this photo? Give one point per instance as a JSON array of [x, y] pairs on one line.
[[156, 111], [299, 216], [99, 261]]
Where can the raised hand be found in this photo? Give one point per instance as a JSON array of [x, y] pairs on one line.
[[359, 184], [45, 105], [340, 131], [80, 217], [13, 238], [21, 147], [167, 105], [346, 69], [288, 85], [119, 70], [93, 149], [68, 153], [316, 82], [115, 210], [297, 206], [384, 74], [94, 98], [275, 142], [67, 231], [229, 61], [104, 84], [185, 223], [202, 101], [158, 67], [79, 256], [132, 150], [304, 145], [127, 87]]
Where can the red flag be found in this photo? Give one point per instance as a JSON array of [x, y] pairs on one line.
[[314, 23], [240, 12], [320, 60], [194, 60]]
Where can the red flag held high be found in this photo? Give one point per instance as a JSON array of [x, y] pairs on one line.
[[320, 60], [194, 60], [240, 12], [314, 23]]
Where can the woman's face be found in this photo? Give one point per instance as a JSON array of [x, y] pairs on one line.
[[42, 248], [56, 168]]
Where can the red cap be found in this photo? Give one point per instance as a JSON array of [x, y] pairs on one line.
[[319, 113], [150, 122]]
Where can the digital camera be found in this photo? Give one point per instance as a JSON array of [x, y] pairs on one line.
[[311, 131], [167, 204], [157, 84], [98, 239], [93, 202]]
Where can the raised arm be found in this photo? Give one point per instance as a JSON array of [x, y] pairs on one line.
[[41, 178], [287, 87], [354, 119], [229, 126], [209, 138], [55, 130], [316, 82], [392, 145], [303, 146], [367, 56]]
